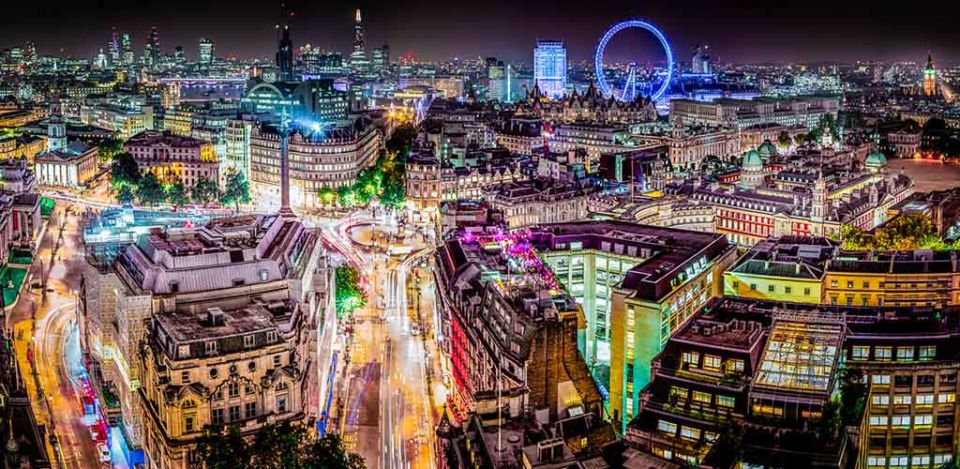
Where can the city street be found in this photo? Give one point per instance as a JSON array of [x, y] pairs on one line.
[[42, 343], [389, 413]]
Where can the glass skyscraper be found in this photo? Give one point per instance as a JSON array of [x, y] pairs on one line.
[[550, 68]]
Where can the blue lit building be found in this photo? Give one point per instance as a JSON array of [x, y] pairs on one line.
[[550, 68]]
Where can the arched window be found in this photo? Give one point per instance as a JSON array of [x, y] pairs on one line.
[[188, 404]]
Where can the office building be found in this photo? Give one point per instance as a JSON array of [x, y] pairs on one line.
[[550, 68], [742, 113], [205, 47], [284, 60]]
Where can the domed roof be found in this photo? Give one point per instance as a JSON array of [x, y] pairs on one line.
[[875, 159], [767, 149], [752, 158]]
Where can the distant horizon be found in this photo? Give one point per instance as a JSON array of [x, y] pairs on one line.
[[739, 32]]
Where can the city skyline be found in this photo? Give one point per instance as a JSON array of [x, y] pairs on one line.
[[744, 32]]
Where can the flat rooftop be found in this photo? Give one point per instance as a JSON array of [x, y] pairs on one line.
[[192, 326]]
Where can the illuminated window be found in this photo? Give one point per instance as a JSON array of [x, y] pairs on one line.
[[861, 352], [692, 358], [946, 397], [900, 421], [690, 433], [880, 379], [928, 352], [701, 397], [735, 365], [924, 399], [876, 461], [711, 362], [806, 291], [725, 401], [904, 353], [882, 353], [667, 427], [923, 420], [678, 392], [881, 399], [902, 399], [878, 420]]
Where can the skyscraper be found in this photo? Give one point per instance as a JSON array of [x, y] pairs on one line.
[[114, 47], [178, 57], [126, 48], [700, 62], [151, 50], [550, 68], [206, 52], [380, 60], [929, 78], [358, 58], [285, 55]]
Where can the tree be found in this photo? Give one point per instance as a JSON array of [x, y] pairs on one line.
[[177, 194], [327, 196], [236, 190], [394, 194], [205, 191], [349, 296], [124, 170], [401, 140], [346, 196], [275, 446], [784, 139], [150, 191], [108, 149], [125, 194]]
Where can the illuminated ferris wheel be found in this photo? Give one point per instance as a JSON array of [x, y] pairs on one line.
[[631, 86]]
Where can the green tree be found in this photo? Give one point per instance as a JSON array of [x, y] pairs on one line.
[[125, 193], [108, 149], [205, 191], [222, 448], [784, 139], [327, 196], [853, 395], [236, 191], [349, 296], [347, 196], [394, 194], [401, 140], [150, 191], [124, 170], [274, 446], [177, 194]]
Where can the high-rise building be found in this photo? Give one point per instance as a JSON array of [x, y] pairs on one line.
[[114, 47], [206, 52], [550, 68], [700, 62], [151, 50], [929, 78], [126, 48], [285, 54], [380, 60], [178, 57], [358, 58]]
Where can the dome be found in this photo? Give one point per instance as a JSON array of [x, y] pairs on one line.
[[752, 158], [767, 149], [875, 159]]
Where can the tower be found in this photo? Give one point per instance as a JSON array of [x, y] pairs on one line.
[[358, 58], [550, 68], [285, 210], [114, 47], [285, 54], [929, 78], [151, 51], [205, 48], [819, 206], [56, 129], [358, 33], [126, 49]]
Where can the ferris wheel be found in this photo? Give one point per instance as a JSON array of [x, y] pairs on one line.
[[629, 90]]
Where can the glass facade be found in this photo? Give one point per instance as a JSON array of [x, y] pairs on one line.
[[550, 68]]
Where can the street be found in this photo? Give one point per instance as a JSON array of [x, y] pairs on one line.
[[389, 407], [58, 406]]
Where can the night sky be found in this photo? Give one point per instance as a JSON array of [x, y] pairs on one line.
[[737, 30]]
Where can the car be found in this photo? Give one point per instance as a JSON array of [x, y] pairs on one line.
[[103, 452], [93, 433]]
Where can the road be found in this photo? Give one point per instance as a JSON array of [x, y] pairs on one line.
[[58, 407], [389, 413]]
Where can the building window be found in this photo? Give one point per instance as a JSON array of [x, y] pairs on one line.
[[904, 353], [881, 400], [248, 341], [924, 399], [787, 290], [878, 420], [210, 347], [771, 288], [902, 399], [185, 377], [691, 358], [900, 421], [216, 417], [923, 420], [690, 433], [876, 461], [276, 361], [735, 365], [711, 362], [234, 389], [882, 353], [701, 397], [880, 379], [251, 409], [833, 283], [806, 291], [188, 424], [281, 404], [928, 352], [753, 287], [678, 393], [861, 352], [725, 401], [667, 427], [946, 397], [849, 283], [234, 413]]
